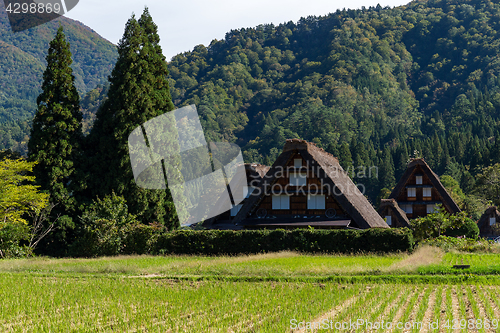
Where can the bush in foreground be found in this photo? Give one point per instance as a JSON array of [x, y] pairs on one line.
[[219, 242], [441, 223], [462, 244], [107, 228]]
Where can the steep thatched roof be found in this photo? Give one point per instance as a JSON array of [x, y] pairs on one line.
[[448, 202], [390, 206], [325, 167], [254, 173]]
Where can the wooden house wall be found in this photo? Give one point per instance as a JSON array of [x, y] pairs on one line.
[[419, 209], [389, 211], [298, 201]]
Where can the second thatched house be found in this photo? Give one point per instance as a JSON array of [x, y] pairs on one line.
[[419, 191]]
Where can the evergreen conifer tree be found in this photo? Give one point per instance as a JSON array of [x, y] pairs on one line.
[[139, 91], [387, 178], [56, 132]]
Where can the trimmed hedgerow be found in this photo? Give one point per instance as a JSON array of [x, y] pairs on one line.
[[229, 242]]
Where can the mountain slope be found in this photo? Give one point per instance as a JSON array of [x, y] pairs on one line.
[[22, 62], [372, 86]]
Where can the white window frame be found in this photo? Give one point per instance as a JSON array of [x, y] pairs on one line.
[[316, 201], [297, 163], [408, 209], [281, 201], [418, 180], [412, 192], [388, 219], [298, 179], [235, 209], [427, 192], [431, 208]]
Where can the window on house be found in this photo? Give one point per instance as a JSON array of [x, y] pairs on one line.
[[412, 192], [281, 201], [427, 192], [235, 210], [419, 180], [297, 163], [316, 201], [388, 219], [431, 209], [298, 179], [408, 209], [493, 220]]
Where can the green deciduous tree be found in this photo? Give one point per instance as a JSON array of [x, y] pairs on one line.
[[56, 133], [488, 184], [139, 91], [18, 196]]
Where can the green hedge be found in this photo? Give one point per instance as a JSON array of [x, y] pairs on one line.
[[219, 242]]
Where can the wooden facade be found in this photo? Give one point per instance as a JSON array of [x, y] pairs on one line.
[[299, 195]]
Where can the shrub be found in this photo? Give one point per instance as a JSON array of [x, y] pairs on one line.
[[461, 225], [219, 242], [107, 228], [461, 244], [442, 223]]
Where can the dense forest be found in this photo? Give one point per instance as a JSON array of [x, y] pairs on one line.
[[22, 62], [373, 86]]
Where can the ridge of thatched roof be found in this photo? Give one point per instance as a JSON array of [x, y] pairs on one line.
[[393, 205], [448, 201], [486, 216], [326, 167]]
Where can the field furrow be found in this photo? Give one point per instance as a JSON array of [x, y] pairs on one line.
[[429, 311], [402, 309], [332, 314]]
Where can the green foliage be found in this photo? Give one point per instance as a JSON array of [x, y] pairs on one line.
[[441, 223], [460, 244], [217, 242], [462, 226], [488, 183], [139, 91], [18, 197], [431, 225], [56, 133], [107, 228]]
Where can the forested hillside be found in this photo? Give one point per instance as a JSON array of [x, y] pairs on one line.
[[22, 62], [373, 86]]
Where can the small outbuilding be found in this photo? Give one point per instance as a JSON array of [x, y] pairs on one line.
[[394, 216], [488, 220]]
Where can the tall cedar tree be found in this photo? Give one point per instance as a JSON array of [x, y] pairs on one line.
[[56, 133], [138, 92]]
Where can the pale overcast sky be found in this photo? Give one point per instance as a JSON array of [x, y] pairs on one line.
[[186, 23]]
